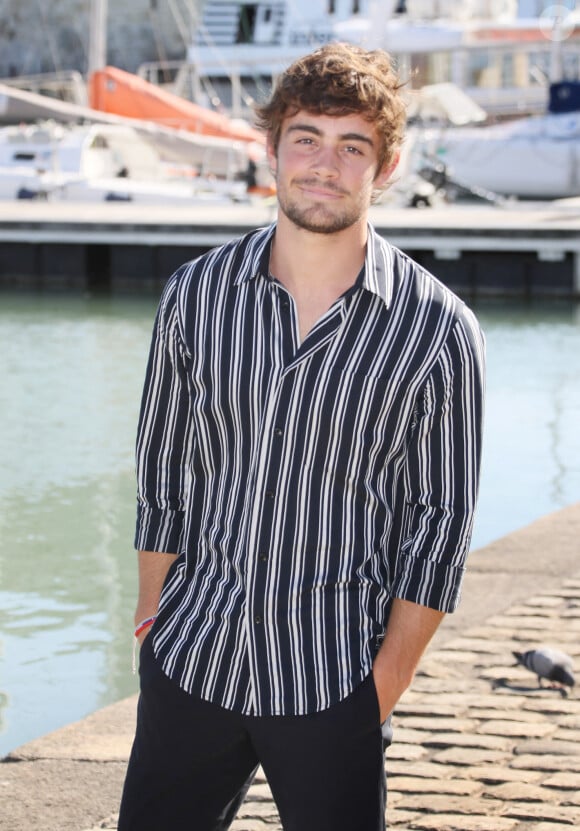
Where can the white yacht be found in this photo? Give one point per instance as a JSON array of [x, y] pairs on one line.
[[503, 53], [114, 163]]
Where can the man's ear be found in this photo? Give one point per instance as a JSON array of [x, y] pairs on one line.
[[387, 171]]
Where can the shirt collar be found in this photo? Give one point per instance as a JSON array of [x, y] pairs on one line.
[[378, 269], [257, 262]]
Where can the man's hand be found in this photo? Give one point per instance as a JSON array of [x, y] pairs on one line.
[[143, 635], [409, 630], [153, 568]]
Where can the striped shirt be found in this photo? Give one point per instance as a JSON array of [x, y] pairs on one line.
[[303, 484]]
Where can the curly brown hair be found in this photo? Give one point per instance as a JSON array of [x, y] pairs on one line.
[[340, 79]]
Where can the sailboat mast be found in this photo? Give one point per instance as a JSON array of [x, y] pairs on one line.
[[97, 36]]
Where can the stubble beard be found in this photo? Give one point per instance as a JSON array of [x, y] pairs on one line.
[[318, 218]]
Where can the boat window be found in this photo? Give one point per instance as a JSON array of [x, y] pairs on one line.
[[100, 142], [331, 6], [246, 24], [22, 156]]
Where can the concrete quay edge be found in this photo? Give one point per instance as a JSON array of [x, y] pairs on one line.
[[478, 746]]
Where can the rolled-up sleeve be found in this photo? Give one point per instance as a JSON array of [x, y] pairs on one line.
[[442, 473], [165, 435]]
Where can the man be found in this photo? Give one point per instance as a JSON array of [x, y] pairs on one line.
[[307, 457]]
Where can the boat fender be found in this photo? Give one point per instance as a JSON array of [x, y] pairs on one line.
[[118, 197], [27, 193]]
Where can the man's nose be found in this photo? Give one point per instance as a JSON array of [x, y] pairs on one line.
[[325, 161]]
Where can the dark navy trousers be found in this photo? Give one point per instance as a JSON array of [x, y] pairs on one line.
[[192, 762]]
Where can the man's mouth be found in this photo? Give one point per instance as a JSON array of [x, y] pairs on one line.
[[317, 189]]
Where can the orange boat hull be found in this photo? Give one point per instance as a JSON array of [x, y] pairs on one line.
[[113, 90]]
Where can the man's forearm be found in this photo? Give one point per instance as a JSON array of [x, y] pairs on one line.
[[153, 568], [409, 630]]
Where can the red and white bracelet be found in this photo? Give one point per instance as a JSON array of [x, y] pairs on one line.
[[141, 627]]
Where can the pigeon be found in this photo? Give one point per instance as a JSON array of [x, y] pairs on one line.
[[548, 663]]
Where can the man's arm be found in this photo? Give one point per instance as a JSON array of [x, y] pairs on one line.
[[163, 454], [153, 568], [409, 630], [442, 474]]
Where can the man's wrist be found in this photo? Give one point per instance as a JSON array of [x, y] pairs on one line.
[[144, 624]]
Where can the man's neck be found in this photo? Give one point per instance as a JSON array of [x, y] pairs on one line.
[[316, 268], [310, 264]]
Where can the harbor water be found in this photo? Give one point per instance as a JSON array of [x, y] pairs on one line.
[[70, 378]]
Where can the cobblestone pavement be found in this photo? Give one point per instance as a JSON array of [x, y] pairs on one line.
[[478, 745]]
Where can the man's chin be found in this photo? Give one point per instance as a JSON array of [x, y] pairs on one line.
[[317, 221]]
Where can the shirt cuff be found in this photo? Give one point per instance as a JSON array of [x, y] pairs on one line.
[[428, 583], [159, 529]]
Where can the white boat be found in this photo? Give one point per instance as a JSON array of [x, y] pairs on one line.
[[499, 51], [240, 46], [114, 162], [536, 157]]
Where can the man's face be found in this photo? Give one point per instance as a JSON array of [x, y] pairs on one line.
[[326, 170]]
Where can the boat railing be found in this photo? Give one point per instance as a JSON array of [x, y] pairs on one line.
[[502, 80], [65, 85]]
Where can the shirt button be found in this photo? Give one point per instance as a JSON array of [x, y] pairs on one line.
[[263, 557], [269, 494], [258, 619], [278, 431]]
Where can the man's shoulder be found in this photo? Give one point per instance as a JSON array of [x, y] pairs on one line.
[[413, 282], [228, 263], [412, 293]]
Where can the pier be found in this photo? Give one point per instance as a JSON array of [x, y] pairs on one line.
[[516, 250]]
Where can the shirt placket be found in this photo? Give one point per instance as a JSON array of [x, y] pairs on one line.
[[274, 455]]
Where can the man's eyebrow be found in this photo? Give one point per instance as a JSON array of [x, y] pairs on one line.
[[310, 128]]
